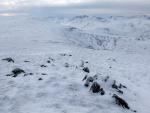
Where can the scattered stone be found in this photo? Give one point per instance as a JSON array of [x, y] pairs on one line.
[[9, 59], [114, 60], [86, 84], [86, 62], [66, 65], [30, 73], [26, 61], [40, 79], [63, 54], [17, 71], [86, 69], [114, 85], [119, 101], [51, 59], [95, 88], [110, 67], [90, 79], [9, 74], [95, 77], [102, 92], [26, 74], [48, 61], [43, 66], [43, 74], [85, 77], [122, 86], [72, 28], [120, 91]]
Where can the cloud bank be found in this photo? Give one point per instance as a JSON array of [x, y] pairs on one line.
[[93, 6], [20, 3]]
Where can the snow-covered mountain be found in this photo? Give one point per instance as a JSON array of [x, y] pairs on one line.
[[105, 32], [54, 52]]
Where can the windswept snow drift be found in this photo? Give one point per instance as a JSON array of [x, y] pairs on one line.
[[53, 50]]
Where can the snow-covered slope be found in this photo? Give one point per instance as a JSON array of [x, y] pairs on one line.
[[91, 41], [53, 52], [104, 32]]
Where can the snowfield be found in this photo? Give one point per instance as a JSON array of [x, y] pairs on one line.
[[53, 52]]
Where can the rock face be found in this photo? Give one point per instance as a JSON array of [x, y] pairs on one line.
[[121, 102]]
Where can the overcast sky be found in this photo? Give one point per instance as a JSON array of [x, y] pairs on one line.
[[91, 5], [19, 3]]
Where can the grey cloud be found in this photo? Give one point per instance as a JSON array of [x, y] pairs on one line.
[[96, 6]]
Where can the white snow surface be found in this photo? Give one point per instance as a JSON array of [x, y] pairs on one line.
[[119, 42]]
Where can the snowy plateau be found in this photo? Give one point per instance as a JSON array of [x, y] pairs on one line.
[[52, 52]]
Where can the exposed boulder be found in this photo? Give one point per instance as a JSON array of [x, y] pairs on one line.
[[86, 69], [9, 59], [17, 71], [96, 88], [121, 102], [43, 66], [40, 79], [26, 61]]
